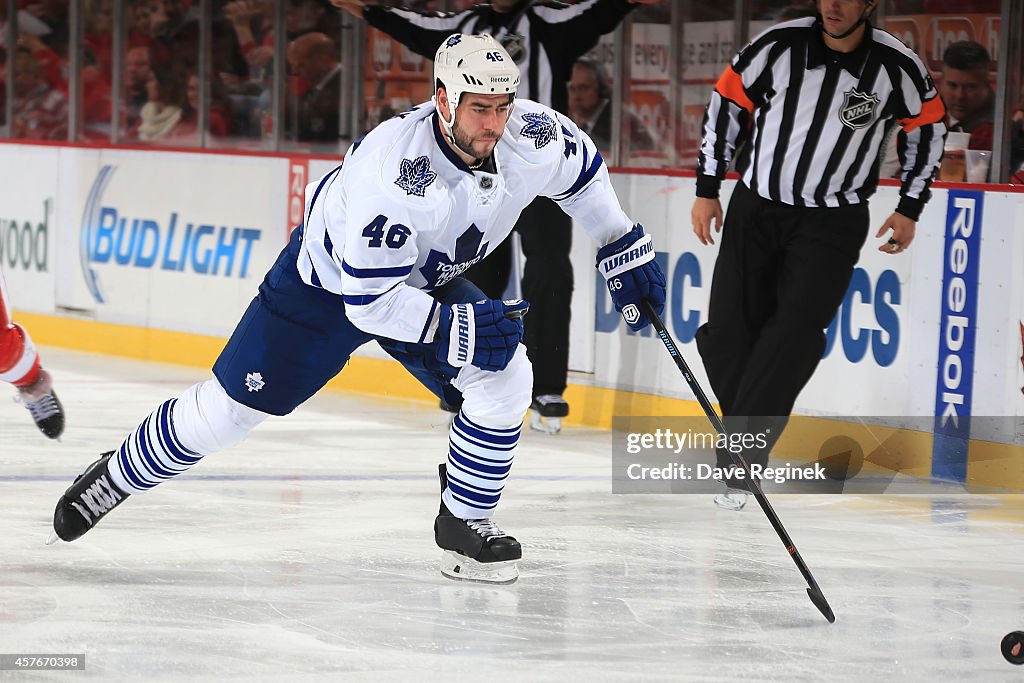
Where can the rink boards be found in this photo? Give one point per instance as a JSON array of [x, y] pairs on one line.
[[155, 254]]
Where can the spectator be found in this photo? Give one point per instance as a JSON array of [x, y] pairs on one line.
[[176, 32], [589, 97], [314, 59], [140, 25], [162, 111], [40, 112], [138, 68], [166, 16], [970, 102], [98, 37], [311, 16], [52, 64], [187, 130], [53, 13], [95, 101], [252, 23], [252, 94]]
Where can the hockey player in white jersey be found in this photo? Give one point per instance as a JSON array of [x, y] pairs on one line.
[[384, 239]]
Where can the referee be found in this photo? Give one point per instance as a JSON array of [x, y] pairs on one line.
[[811, 100], [545, 39]]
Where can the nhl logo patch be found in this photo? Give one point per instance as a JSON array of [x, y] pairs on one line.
[[515, 45], [858, 110]]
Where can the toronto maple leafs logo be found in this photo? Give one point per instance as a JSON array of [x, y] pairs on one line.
[[439, 269], [254, 381], [454, 40], [541, 128], [414, 176]]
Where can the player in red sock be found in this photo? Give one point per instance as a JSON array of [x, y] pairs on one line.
[[19, 365]]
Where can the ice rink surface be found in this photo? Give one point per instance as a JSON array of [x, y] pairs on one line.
[[307, 552]]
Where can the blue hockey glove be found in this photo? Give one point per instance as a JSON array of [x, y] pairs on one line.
[[632, 274], [484, 334]]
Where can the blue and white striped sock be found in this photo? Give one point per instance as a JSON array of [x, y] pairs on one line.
[[151, 454], [479, 460]]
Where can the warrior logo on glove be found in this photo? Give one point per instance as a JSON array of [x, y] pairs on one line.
[[484, 334], [633, 275]]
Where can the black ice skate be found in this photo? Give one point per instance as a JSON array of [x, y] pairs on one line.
[[41, 402], [475, 549], [546, 413], [449, 407], [86, 502], [452, 409]]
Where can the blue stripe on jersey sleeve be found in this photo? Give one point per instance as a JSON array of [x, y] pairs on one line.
[[586, 175], [312, 266], [426, 325], [399, 271], [319, 187], [361, 299], [328, 244]]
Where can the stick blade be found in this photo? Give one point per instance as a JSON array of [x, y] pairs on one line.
[[822, 604]]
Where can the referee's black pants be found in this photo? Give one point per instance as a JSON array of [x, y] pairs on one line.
[[782, 272], [546, 235]]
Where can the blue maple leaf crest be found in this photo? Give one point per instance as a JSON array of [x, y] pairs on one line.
[[454, 40], [439, 269], [414, 176], [541, 128]]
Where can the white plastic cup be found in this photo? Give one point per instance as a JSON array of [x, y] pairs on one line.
[[954, 164], [978, 163]]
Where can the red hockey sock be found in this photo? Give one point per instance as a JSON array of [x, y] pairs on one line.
[[19, 361]]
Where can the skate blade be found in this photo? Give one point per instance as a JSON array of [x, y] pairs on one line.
[[52, 538], [546, 425], [731, 501], [461, 568]]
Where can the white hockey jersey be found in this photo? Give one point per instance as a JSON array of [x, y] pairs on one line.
[[405, 215]]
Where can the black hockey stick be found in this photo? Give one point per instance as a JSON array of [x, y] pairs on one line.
[[813, 592]]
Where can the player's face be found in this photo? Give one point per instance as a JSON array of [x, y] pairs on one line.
[[839, 16], [480, 122], [964, 92]]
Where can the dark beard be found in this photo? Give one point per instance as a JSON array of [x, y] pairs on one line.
[[464, 142]]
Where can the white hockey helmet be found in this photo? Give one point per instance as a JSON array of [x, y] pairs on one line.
[[472, 64]]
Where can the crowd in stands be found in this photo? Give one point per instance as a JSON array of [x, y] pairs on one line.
[[160, 80], [161, 84]]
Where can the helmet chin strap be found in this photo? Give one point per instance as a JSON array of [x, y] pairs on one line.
[[449, 131]]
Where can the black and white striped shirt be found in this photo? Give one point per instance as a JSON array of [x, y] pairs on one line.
[[553, 37], [812, 120]]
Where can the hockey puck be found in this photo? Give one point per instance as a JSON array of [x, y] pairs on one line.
[[841, 457], [1013, 647]]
